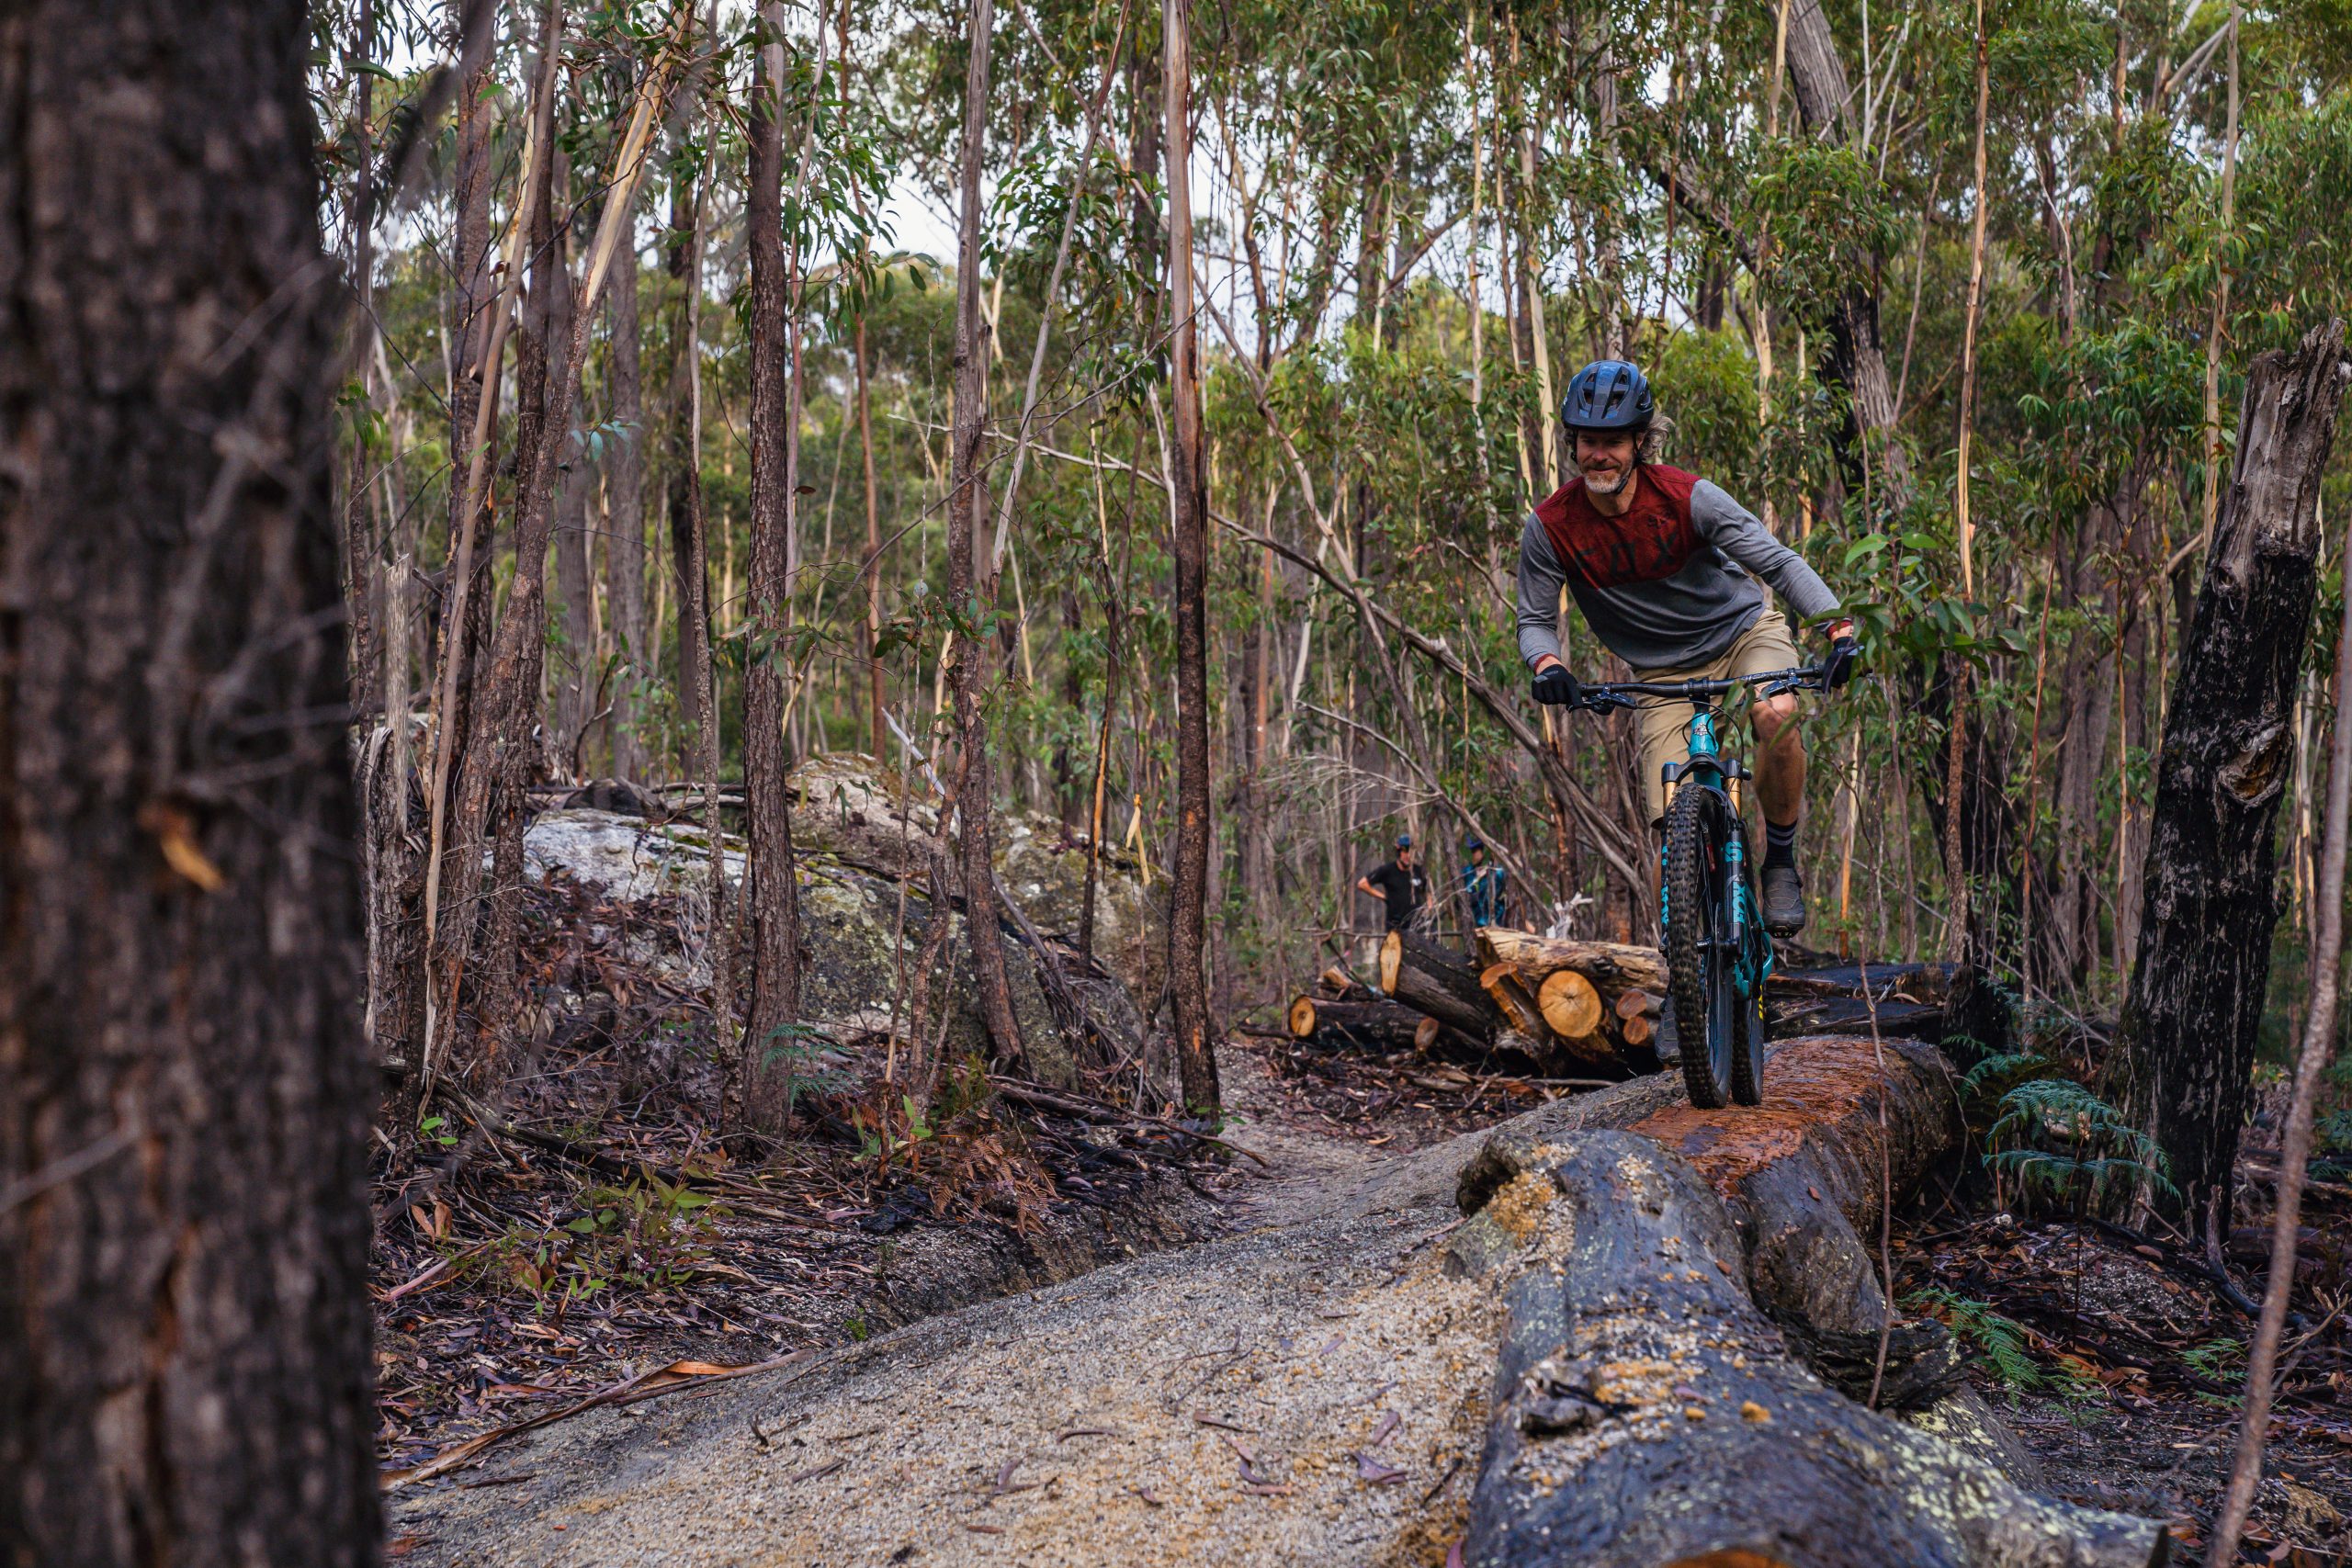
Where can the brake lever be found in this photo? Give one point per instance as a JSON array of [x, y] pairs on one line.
[[1605, 702]]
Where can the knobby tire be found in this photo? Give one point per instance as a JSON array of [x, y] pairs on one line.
[[1694, 907]]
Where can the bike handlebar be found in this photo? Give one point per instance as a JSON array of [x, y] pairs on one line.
[[1771, 684]]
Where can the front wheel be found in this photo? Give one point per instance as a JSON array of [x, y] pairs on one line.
[[1702, 967]]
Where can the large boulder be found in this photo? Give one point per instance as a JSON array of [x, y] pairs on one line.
[[865, 871], [848, 805]]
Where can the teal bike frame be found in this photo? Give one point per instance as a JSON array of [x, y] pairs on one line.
[[1704, 766]]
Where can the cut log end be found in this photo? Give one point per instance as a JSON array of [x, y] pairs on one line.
[[1425, 1034], [1570, 1003], [1392, 958], [1302, 1018], [1637, 1030]]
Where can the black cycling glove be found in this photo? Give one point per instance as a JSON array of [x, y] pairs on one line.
[[1845, 658], [1556, 688]]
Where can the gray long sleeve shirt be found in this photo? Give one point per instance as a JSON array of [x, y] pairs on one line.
[[1658, 594]]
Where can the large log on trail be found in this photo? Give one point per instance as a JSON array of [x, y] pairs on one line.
[[1357, 1020], [1652, 1401], [1429, 979]]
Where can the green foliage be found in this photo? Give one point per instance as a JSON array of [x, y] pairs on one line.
[[2066, 1148], [809, 1060], [2000, 1340], [2219, 1359], [1827, 205], [648, 1234]]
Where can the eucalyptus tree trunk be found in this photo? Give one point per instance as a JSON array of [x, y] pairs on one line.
[[400, 1009], [966, 501], [624, 514], [682, 492], [773, 914], [183, 1229], [2203, 963], [1189, 523]]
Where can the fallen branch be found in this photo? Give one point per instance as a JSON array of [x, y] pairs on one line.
[[628, 1391], [1104, 1115]]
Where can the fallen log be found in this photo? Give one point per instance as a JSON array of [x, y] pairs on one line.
[[1429, 979], [1692, 1322], [1517, 1004], [1371, 1023], [1571, 1004], [1816, 1013]]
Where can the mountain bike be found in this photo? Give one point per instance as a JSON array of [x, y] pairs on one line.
[[1717, 952]]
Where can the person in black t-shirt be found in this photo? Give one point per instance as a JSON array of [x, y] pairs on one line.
[[1398, 883]]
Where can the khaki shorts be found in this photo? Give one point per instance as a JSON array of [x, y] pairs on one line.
[[1663, 726]]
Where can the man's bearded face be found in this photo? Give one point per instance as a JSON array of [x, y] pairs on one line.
[[1606, 459]]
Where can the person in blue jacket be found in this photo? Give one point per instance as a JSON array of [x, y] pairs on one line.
[[1484, 884]]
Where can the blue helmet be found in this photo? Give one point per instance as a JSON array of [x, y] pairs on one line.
[[1608, 394]]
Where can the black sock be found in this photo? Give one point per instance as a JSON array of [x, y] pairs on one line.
[[1779, 844]]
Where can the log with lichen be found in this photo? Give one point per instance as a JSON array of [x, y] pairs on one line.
[[1692, 1338]]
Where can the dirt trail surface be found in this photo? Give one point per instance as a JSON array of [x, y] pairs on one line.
[[1309, 1389]]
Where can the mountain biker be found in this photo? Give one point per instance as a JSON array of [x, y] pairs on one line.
[[1663, 566]]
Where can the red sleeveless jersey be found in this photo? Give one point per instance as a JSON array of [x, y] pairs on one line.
[[1652, 540]]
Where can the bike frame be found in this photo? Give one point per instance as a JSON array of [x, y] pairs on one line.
[[1704, 766]]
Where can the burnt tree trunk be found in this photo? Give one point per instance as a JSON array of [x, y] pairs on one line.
[[683, 489], [2204, 953], [965, 501], [772, 911], [183, 1088]]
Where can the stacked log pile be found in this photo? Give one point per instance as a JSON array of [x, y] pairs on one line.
[[1588, 1008], [1593, 1004]]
